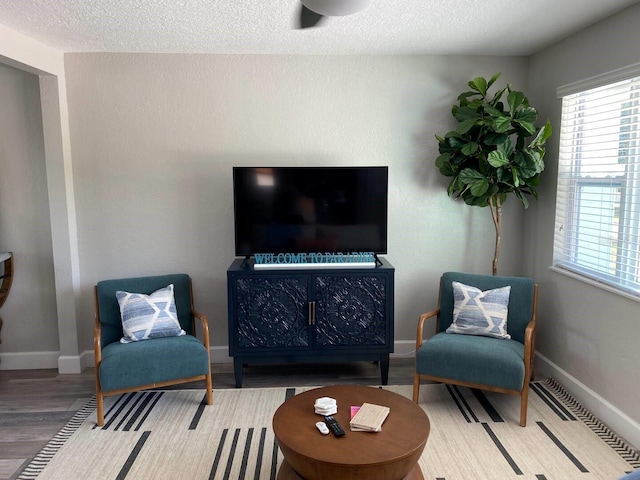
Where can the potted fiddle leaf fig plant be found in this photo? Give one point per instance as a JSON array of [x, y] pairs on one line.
[[495, 150]]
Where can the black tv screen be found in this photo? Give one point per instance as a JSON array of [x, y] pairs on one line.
[[310, 209]]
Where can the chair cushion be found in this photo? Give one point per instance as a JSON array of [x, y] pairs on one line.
[[475, 359], [477, 312], [127, 365], [148, 316]]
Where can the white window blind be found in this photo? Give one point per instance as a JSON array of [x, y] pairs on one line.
[[597, 227]]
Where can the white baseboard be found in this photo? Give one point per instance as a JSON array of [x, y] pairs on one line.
[[46, 360], [76, 363], [404, 348], [220, 355], [618, 421]]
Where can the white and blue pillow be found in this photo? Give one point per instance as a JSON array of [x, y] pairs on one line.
[[477, 312], [148, 316]]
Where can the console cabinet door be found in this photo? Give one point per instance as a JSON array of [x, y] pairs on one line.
[[271, 312], [351, 311]]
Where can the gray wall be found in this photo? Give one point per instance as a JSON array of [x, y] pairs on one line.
[[588, 336], [30, 321], [154, 139]]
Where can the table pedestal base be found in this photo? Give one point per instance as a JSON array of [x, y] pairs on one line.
[[287, 473]]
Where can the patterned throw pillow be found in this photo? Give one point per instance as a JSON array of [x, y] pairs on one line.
[[480, 313], [149, 316]]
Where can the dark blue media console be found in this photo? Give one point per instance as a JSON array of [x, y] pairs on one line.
[[308, 315]]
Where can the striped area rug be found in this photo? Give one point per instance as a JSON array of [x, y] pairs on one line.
[[172, 434]]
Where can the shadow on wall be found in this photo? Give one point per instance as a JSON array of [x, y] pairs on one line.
[[426, 149]]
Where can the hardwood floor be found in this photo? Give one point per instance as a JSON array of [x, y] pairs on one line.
[[36, 404]]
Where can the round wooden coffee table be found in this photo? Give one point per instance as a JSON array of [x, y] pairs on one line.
[[391, 454]]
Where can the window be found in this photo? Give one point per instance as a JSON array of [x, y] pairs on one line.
[[597, 228]]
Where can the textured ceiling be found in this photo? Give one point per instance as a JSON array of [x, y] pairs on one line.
[[474, 27]]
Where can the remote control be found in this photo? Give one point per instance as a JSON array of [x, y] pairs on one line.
[[323, 428], [334, 426]]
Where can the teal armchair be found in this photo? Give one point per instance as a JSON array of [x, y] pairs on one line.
[[154, 362], [503, 365]]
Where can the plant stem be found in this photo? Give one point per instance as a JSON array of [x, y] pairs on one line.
[[495, 206]]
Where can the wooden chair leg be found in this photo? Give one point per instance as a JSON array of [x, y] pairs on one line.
[[209, 389], [99, 396], [100, 408], [524, 400], [416, 387]]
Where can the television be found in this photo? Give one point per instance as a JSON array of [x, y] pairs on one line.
[[310, 209]]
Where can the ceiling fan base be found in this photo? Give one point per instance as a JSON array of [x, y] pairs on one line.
[[309, 18], [335, 8]]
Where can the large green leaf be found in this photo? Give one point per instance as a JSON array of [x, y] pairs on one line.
[[525, 172], [506, 147], [527, 114], [515, 99], [527, 128], [464, 95], [456, 142], [516, 180], [543, 134], [451, 189], [493, 189], [466, 125], [470, 148], [493, 111], [442, 159], [534, 182], [493, 138], [476, 104], [538, 157], [446, 148], [497, 158], [522, 198], [495, 101], [479, 84], [452, 134], [469, 175], [519, 160], [533, 159], [478, 183], [466, 113], [493, 79], [503, 175], [474, 200], [502, 124]]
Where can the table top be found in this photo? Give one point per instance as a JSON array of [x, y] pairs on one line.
[[404, 432]]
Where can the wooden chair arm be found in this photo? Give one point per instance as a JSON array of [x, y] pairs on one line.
[[530, 337], [205, 326], [97, 332], [421, 320], [529, 348], [203, 319]]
